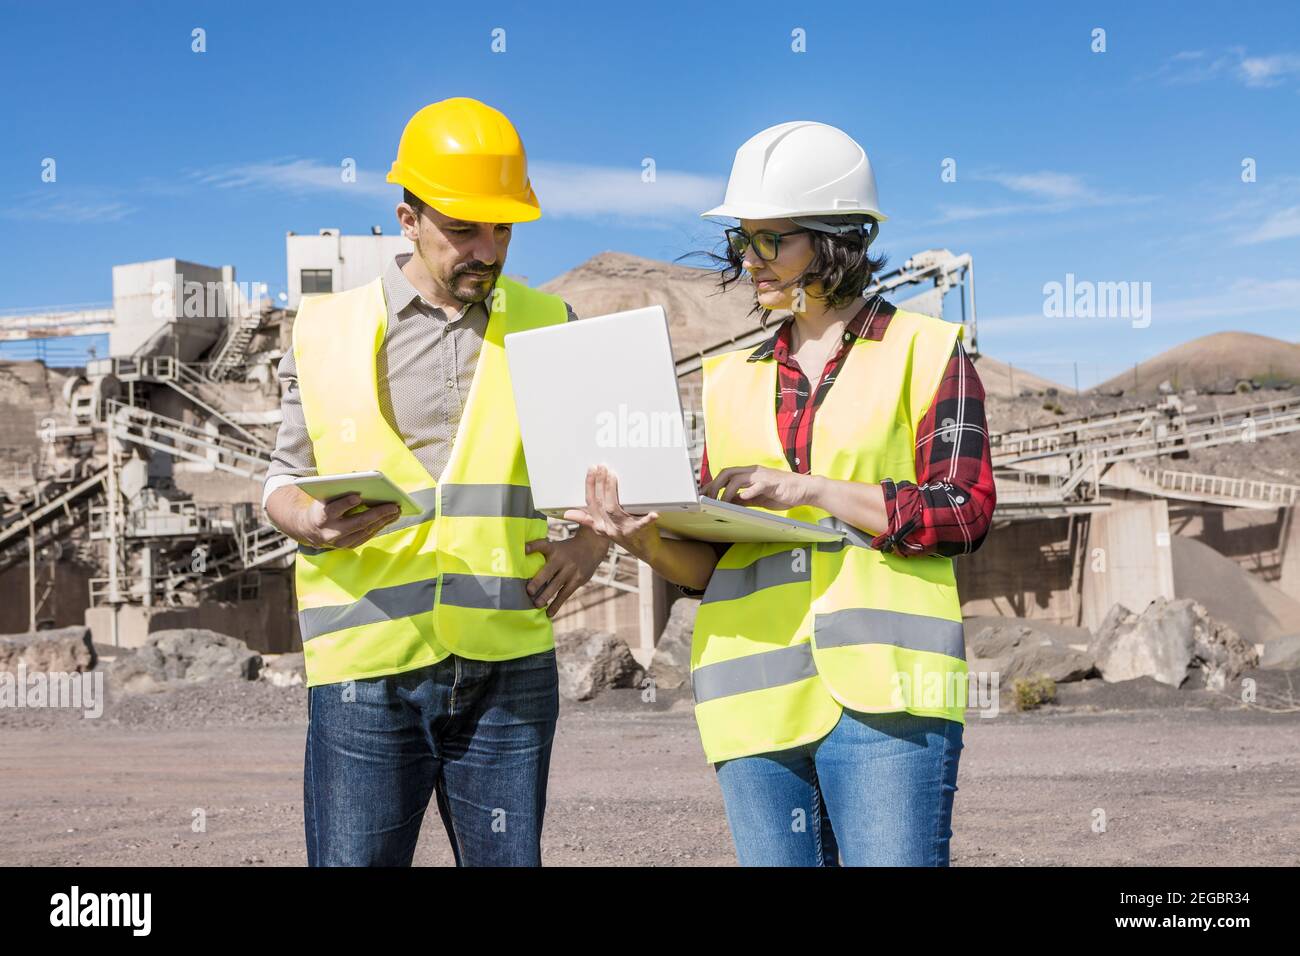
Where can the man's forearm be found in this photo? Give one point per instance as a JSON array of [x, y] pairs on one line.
[[284, 506]]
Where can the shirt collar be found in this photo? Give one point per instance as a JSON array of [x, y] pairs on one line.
[[860, 326], [402, 296]]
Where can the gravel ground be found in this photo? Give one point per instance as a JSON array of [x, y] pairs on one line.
[[1182, 777]]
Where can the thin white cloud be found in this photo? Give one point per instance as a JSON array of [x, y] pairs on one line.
[[1268, 70], [598, 192], [566, 190], [1048, 185], [1030, 321], [1282, 224], [1257, 212], [298, 176], [48, 206], [1243, 296], [1043, 191], [1198, 66]]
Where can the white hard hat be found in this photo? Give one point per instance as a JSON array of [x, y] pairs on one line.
[[800, 169]]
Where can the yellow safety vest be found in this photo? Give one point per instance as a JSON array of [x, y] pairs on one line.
[[788, 635], [451, 579]]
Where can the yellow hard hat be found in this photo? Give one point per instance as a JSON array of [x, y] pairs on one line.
[[465, 160]]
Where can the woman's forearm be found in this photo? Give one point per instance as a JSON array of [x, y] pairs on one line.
[[858, 503], [689, 563]]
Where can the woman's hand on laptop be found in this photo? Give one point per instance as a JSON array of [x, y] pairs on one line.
[[762, 487], [604, 515]]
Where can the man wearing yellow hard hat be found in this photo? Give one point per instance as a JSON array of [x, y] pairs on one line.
[[427, 637]]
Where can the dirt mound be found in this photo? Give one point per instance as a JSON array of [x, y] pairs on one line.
[[1007, 381], [698, 315], [1253, 608], [1216, 358]]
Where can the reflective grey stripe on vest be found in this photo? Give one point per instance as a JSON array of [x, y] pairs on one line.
[[489, 501], [917, 632], [769, 571], [427, 499], [379, 604], [469, 590], [753, 672], [852, 535], [404, 600], [460, 501]]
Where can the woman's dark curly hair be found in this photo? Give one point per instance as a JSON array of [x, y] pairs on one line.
[[841, 263]]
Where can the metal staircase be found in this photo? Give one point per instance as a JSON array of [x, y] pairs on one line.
[[181, 378], [257, 544], [144, 427], [234, 349], [59, 505], [233, 539]]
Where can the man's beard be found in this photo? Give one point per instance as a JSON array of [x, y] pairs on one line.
[[481, 285]]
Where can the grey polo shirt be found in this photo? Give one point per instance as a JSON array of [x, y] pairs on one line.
[[424, 369]]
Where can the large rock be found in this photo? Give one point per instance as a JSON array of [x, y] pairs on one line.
[[591, 661], [185, 654], [1020, 650], [62, 650], [670, 667], [1169, 641], [1283, 653], [285, 670]]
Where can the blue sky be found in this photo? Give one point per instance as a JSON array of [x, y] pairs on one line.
[[1115, 166]]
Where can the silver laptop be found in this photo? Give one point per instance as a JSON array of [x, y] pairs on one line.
[[604, 391]]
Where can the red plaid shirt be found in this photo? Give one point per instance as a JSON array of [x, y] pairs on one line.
[[949, 511]]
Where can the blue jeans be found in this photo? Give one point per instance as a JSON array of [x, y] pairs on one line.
[[876, 791], [477, 734]]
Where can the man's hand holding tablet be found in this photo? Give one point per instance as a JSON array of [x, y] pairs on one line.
[[338, 511]]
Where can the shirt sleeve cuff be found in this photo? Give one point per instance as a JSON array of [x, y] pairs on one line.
[[272, 483], [902, 504]]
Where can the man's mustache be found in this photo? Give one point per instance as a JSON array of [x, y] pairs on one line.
[[474, 266]]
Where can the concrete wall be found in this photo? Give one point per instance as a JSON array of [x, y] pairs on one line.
[[28, 394], [67, 604], [1024, 568], [354, 260], [1127, 560], [1251, 537], [266, 624], [147, 298], [1289, 578], [19, 439], [605, 609], [1021, 569]]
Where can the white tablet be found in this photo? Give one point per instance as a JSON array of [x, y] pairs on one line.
[[374, 487]]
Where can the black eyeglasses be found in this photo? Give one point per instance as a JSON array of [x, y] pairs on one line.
[[766, 243]]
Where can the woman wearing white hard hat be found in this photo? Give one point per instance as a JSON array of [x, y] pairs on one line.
[[830, 678]]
